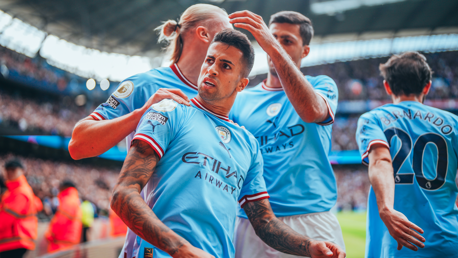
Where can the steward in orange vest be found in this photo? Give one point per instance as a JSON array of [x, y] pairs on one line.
[[18, 221], [65, 228], [118, 228]]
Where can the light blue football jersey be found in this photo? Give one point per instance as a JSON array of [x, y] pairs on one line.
[[132, 94], [423, 143], [208, 167], [297, 170], [135, 91]]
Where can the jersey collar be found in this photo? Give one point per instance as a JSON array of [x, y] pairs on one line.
[[267, 88], [180, 75], [199, 105]]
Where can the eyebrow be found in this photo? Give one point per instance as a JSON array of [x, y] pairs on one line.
[[224, 60], [287, 37]]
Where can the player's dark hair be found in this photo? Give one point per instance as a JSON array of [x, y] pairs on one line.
[[305, 24], [407, 73], [240, 41], [13, 164], [66, 184]]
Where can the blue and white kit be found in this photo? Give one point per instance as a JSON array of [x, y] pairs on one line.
[[135, 91], [423, 142], [208, 166], [132, 94], [297, 170]]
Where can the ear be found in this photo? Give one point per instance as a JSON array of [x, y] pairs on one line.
[[203, 34], [305, 51], [427, 88], [387, 87], [242, 84]]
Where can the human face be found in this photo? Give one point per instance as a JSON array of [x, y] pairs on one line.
[[221, 72], [289, 37]]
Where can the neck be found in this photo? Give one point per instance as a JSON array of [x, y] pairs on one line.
[[401, 98], [190, 62], [222, 106], [273, 81]]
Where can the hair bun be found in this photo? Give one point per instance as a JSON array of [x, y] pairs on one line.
[[169, 28]]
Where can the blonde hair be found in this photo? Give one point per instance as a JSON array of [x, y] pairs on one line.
[[171, 31]]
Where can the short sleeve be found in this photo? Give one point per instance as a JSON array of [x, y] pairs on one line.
[[368, 133], [159, 125], [254, 186], [131, 94], [327, 89]]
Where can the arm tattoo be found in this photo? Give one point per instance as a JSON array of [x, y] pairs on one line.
[[138, 168], [274, 232]]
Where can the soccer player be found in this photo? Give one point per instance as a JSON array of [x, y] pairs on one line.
[[189, 40], [117, 119], [412, 153], [290, 115], [198, 166]]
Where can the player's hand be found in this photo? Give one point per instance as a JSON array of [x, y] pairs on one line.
[[402, 230], [319, 249], [161, 94], [256, 26], [189, 251]]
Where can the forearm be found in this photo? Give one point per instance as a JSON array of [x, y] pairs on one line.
[[136, 171], [274, 232], [281, 237], [91, 138], [381, 178], [308, 105], [133, 210]]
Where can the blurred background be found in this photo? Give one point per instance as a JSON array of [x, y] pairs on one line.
[[59, 59]]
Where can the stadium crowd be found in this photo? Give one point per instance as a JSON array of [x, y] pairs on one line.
[[44, 176], [357, 80], [35, 116], [34, 71], [361, 80], [96, 183]]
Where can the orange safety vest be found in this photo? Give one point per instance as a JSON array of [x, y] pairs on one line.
[[118, 228], [65, 228], [18, 221]]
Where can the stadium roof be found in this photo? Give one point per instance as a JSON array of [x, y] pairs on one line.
[[126, 26]]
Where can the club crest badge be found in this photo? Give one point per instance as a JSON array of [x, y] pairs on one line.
[[273, 109], [224, 134], [165, 105], [124, 90]]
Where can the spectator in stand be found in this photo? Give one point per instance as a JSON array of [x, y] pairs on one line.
[[118, 227], [18, 208], [94, 181], [65, 228], [87, 218]]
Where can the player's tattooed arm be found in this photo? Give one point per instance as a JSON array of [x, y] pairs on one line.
[[281, 237], [127, 202]]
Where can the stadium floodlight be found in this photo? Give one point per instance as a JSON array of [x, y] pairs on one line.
[[90, 84], [80, 100], [105, 84]]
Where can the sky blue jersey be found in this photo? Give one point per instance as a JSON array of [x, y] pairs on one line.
[[424, 145], [132, 94], [135, 91], [297, 171], [208, 167]]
